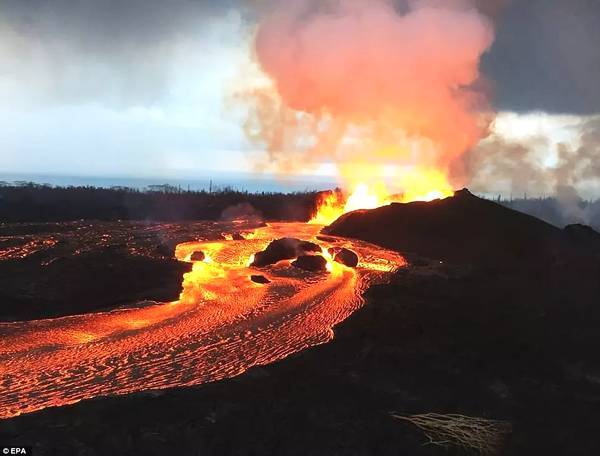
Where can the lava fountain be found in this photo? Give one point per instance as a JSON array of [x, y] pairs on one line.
[[422, 185], [389, 96]]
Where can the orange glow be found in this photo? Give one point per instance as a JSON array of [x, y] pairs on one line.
[[24, 250], [419, 184], [362, 197], [222, 324], [333, 267], [425, 185]]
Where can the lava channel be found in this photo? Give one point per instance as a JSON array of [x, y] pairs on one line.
[[223, 324]]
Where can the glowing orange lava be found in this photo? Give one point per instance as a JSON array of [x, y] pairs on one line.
[[420, 184], [222, 324]]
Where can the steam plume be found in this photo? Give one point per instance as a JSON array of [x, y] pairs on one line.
[[370, 83], [519, 167]]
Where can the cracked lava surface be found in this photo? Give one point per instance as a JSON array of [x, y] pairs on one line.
[[222, 324]]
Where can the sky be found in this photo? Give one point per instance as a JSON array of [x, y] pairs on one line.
[[146, 87]]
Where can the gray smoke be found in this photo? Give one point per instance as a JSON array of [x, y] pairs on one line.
[[518, 168]]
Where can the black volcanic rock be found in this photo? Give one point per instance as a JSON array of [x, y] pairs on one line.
[[90, 281], [346, 257], [237, 237], [327, 238], [198, 256], [583, 236], [257, 278], [283, 249], [459, 229], [514, 344], [314, 263]]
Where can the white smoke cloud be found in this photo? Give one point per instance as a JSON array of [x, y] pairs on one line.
[[541, 155]]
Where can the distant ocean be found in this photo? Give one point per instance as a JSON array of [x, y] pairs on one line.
[[217, 181]]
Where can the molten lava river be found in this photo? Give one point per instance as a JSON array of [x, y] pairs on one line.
[[223, 324]]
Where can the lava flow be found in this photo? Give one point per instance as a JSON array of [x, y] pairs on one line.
[[223, 324]]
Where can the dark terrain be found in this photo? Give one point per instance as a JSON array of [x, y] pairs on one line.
[[30, 202], [497, 316], [466, 229], [39, 203], [56, 269]]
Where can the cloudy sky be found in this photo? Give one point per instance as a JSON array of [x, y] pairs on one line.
[[124, 87]]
